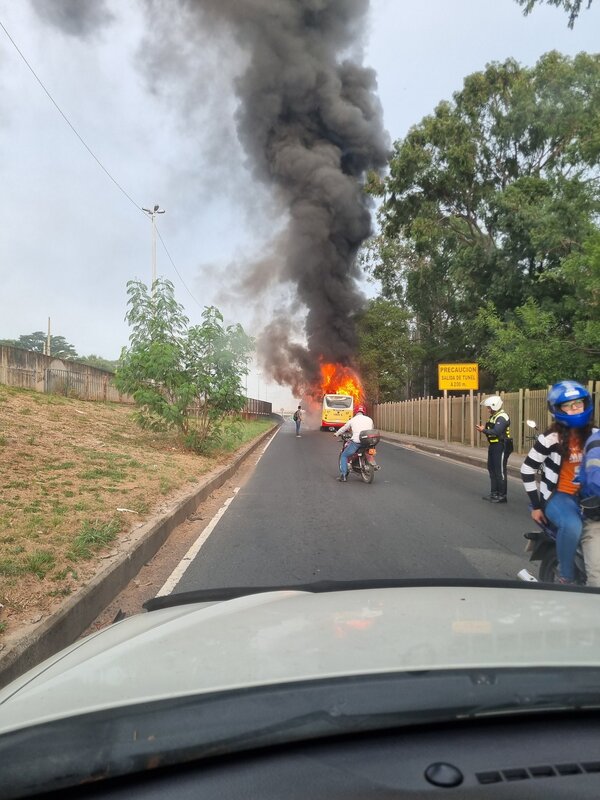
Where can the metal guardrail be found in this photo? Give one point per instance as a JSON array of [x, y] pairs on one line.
[[424, 416], [257, 408]]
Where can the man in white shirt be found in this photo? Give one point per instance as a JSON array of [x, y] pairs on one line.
[[359, 423]]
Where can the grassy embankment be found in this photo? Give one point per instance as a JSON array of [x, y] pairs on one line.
[[66, 468]]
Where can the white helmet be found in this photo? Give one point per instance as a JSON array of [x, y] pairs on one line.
[[494, 402]]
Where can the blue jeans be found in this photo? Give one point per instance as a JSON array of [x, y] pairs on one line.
[[298, 427], [563, 510], [347, 453]]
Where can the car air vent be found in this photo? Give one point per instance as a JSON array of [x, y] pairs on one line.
[[541, 771]]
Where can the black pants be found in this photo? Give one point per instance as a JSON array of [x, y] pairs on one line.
[[498, 453]]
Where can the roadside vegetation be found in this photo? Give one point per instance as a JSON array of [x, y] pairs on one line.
[[76, 477], [489, 242], [182, 378]]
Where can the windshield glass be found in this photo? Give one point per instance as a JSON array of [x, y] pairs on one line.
[[338, 401], [299, 317]]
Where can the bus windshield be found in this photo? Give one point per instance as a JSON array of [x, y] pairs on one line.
[[338, 401]]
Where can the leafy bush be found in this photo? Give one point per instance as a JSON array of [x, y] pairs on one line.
[[187, 378]]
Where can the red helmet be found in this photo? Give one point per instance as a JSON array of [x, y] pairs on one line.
[[361, 409]]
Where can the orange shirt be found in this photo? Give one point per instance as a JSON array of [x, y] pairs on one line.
[[569, 468]]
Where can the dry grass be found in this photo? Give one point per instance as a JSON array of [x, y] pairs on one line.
[[66, 468]]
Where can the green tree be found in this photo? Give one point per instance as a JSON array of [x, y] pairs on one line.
[[60, 348], [187, 378], [486, 198], [386, 351], [573, 7], [582, 271], [99, 362], [530, 349], [36, 341], [419, 285]]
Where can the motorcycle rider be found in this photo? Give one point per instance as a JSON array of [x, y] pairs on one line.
[[558, 452], [497, 431], [360, 422]]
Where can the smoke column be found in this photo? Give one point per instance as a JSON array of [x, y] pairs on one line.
[[74, 17], [311, 124]]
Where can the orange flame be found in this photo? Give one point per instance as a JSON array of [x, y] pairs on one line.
[[336, 379]]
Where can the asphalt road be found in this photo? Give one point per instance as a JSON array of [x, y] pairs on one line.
[[422, 517]]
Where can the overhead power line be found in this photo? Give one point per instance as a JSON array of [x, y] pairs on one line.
[[91, 152], [175, 268], [67, 120]]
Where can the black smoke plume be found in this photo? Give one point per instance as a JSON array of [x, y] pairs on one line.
[[311, 124], [74, 17]]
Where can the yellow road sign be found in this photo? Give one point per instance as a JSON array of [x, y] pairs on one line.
[[458, 376]]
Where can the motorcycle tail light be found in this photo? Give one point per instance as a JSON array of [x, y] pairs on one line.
[[371, 451]]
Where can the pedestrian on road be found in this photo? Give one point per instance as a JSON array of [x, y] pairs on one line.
[[497, 431], [589, 476], [558, 452], [298, 414]]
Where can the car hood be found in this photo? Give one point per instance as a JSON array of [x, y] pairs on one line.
[[286, 636]]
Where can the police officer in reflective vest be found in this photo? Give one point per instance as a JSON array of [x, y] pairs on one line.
[[497, 430]]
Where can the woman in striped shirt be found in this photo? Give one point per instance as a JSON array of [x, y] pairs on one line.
[[558, 453]]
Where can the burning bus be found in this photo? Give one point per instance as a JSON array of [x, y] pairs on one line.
[[337, 410], [341, 390]]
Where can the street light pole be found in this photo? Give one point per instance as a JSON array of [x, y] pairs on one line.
[[152, 214]]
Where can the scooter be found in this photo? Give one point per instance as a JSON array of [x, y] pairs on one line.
[[363, 461]]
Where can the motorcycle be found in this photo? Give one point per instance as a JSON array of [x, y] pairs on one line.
[[541, 544], [363, 461]]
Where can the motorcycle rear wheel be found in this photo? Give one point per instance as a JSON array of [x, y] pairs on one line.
[[549, 571], [367, 471]]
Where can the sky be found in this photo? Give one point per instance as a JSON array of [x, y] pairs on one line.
[[160, 120]]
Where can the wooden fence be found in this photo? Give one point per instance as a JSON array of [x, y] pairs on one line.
[[425, 416]]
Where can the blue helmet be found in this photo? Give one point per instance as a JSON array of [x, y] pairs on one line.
[[562, 392]]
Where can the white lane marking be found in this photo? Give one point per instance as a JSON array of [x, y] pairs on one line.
[[267, 445], [180, 569], [191, 554]]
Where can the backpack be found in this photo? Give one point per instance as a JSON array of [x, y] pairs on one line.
[[295, 417]]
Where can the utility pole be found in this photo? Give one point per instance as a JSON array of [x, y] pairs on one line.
[[152, 214], [48, 340]]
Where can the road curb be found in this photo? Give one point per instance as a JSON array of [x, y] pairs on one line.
[[63, 627], [440, 450]]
